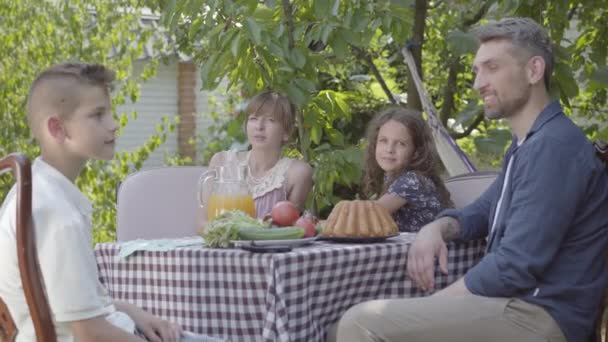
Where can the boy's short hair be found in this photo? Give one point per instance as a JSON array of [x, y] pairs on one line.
[[55, 89], [523, 33]]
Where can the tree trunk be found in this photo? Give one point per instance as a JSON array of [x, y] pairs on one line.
[[413, 98]]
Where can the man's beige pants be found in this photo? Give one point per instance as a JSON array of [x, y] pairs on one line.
[[466, 318]]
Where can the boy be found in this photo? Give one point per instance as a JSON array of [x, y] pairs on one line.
[[69, 113]]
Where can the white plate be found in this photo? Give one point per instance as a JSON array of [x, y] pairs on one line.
[[290, 243]]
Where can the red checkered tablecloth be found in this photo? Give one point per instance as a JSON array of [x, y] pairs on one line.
[[241, 296]]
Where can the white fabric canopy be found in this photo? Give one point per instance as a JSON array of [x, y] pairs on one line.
[[454, 159]]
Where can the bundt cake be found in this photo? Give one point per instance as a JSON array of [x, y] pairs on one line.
[[359, 219]]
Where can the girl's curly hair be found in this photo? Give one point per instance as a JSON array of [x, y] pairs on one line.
[[425, 160]]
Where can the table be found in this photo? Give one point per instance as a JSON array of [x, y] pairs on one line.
[[243, 296]]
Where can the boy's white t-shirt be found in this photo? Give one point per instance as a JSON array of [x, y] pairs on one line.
[[62, 222]]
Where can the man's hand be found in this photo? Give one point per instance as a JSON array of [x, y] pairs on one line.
[[155, 329], [429, 244]]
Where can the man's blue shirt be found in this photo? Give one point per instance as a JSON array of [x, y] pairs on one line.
[[548, 246]]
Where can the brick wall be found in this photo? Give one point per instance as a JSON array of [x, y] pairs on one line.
[[186, 108]]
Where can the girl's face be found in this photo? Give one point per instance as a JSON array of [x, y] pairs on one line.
[[264, 131], [394, 147]]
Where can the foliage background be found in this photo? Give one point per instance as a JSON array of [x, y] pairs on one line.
[[36, 34], [339, 61]]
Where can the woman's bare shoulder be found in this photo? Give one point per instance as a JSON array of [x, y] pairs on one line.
[[299, 169]]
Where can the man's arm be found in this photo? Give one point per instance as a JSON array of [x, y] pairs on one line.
[[474, 218], [549, 184], [467, 223], [430, 244], [451, 230]]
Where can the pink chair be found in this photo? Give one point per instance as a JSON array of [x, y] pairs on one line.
[[466, 188], [158, 203]]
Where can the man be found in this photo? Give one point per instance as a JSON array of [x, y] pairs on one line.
[[545, 218]]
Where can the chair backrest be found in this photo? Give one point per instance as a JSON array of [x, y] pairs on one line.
[[466, 188], [158, 203], [31, 277]]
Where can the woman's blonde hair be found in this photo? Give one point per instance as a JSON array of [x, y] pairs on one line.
[[425, 160]]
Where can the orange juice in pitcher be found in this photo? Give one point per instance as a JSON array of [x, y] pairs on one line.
[[218, 203], [226, 189]]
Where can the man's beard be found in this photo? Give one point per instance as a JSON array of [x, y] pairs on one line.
[[509, 108]]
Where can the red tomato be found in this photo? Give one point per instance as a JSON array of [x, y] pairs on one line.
[[284, 213], [309, 227]]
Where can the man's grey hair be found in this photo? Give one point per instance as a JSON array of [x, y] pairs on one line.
[[524, 33]]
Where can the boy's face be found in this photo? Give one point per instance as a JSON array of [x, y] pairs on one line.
[[500, 79], [90, 132]]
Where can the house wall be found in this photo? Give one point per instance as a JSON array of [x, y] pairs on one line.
[[158, 98], [175, 89]]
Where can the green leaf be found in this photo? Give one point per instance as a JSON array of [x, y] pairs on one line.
[[305, 84], [600, 75], [403, 3], [296, 94], [254, 30], [494, 143], [321, 8], [234, 128], [263, 13], [461, 43], [564, 78], [325, 32], [297, 58], [275, 49], [207, 72], [468, 113], [340, 47], [169, 13], [234, 46], [315, 133]]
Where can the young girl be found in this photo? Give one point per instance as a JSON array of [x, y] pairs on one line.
[[271, 178], [401, 168]]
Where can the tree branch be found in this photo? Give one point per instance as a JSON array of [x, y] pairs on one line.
[[413, 98], [370, 62], [287, 8], [477, 17], [289, 22], [468, 130], [572, 12], [454, 68], [435, 4], [448, 92]]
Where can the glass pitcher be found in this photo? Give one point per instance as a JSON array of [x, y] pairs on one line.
[[226, 187]]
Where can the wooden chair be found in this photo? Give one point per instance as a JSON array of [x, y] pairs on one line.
[[31, 276]]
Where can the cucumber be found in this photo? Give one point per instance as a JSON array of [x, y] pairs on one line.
[[286, 233]]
